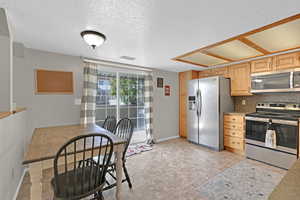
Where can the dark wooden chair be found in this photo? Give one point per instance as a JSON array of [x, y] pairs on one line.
[[110, 123], [124, 129], [76, 181]]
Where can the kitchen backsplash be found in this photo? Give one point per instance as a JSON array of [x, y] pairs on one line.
[[252, 100]]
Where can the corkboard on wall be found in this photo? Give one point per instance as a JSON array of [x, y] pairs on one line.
[[53, 82]]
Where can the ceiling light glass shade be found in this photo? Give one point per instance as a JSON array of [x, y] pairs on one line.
[[93, 38]]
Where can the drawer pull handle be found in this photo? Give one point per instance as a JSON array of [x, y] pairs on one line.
[[233, 126], [233, 133], [233, 119]]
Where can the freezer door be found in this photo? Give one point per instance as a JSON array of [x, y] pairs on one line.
[[209, 134], [192, 112]]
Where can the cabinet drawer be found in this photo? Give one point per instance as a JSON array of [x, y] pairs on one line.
[[234, 126], [234, 119], [234, 133], [234, 142]]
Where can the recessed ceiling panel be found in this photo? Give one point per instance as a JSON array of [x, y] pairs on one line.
[[234, 50], [279, 38], [202, 59]]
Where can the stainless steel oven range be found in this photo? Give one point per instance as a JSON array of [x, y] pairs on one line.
[[284, 119]]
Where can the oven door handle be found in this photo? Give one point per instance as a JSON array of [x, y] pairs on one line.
[[286, 122], [257, 119], [274, 121]]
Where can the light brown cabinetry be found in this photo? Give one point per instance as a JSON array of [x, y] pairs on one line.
[[240, 79], [261, 65], [184, 77], [287, 61], [234, 133], [204, 73], [223, 71]]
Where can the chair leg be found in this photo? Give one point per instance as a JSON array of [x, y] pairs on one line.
[[126, 175]]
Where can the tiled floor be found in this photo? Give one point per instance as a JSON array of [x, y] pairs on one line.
[[172, 170]]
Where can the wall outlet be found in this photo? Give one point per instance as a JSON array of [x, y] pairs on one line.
[[243, 102], [77, 102]]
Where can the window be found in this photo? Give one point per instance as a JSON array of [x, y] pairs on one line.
[[121, 95]]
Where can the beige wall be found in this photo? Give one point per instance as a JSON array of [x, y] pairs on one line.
[[166, 108], [46, 110], [53, 110], [5, 63], [14, 136]]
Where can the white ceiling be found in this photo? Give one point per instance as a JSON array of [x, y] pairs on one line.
[[153, 31]]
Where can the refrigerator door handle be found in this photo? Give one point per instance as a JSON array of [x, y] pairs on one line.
[[200, 103], [197, 103]]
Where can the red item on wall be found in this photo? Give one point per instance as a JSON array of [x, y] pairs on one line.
[[167, 90]]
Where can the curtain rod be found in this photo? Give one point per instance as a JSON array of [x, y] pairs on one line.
[[116, 64]]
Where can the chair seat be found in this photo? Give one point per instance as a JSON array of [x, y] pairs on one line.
[[111, 162], [77, 182]]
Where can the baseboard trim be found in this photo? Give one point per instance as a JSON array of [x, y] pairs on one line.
[[19, 184], [167, 138]]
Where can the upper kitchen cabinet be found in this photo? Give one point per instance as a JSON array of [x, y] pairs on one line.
[[261, 65], [287, 61], [222, 71], [240, 79], [204, 73]]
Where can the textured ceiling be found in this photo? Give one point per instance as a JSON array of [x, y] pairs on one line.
[[153, 31]]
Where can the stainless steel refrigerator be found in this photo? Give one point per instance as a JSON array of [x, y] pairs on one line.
[[208, 99]]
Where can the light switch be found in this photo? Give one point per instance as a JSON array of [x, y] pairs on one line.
[[243, 102], [77, 101]]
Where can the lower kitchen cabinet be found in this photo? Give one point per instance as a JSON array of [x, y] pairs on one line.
[[234, 132]]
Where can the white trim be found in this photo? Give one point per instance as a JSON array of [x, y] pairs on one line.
[[20, 184], [167, 138], [117, 64]]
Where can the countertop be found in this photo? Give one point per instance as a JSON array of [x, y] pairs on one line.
[[6, 114], [289, 186]]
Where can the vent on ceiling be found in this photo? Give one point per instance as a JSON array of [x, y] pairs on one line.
[[127, 58]]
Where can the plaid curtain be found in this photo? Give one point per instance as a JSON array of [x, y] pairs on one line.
[[88, 101], [148, 108]]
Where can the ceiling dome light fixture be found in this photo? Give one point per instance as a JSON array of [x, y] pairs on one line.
[[93, 38]]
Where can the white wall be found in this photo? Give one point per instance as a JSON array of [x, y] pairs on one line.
[[14, 135], [166, 108]]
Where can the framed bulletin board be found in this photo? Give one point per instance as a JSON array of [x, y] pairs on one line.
[[53, 82]]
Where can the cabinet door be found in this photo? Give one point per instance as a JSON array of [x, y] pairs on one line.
[[182, 83], [240, 79], [204, 73], [182, 116], [262, 65], [287, 61]]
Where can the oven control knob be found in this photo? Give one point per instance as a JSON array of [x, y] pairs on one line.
[[295, 106]]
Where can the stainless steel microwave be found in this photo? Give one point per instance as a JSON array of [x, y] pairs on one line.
[[281, 81]]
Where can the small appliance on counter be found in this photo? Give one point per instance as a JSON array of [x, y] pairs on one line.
[[272, 133], [208, 99]]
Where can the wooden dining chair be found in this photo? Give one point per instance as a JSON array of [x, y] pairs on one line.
[[110, 123], [124, 129], [74, 181]]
